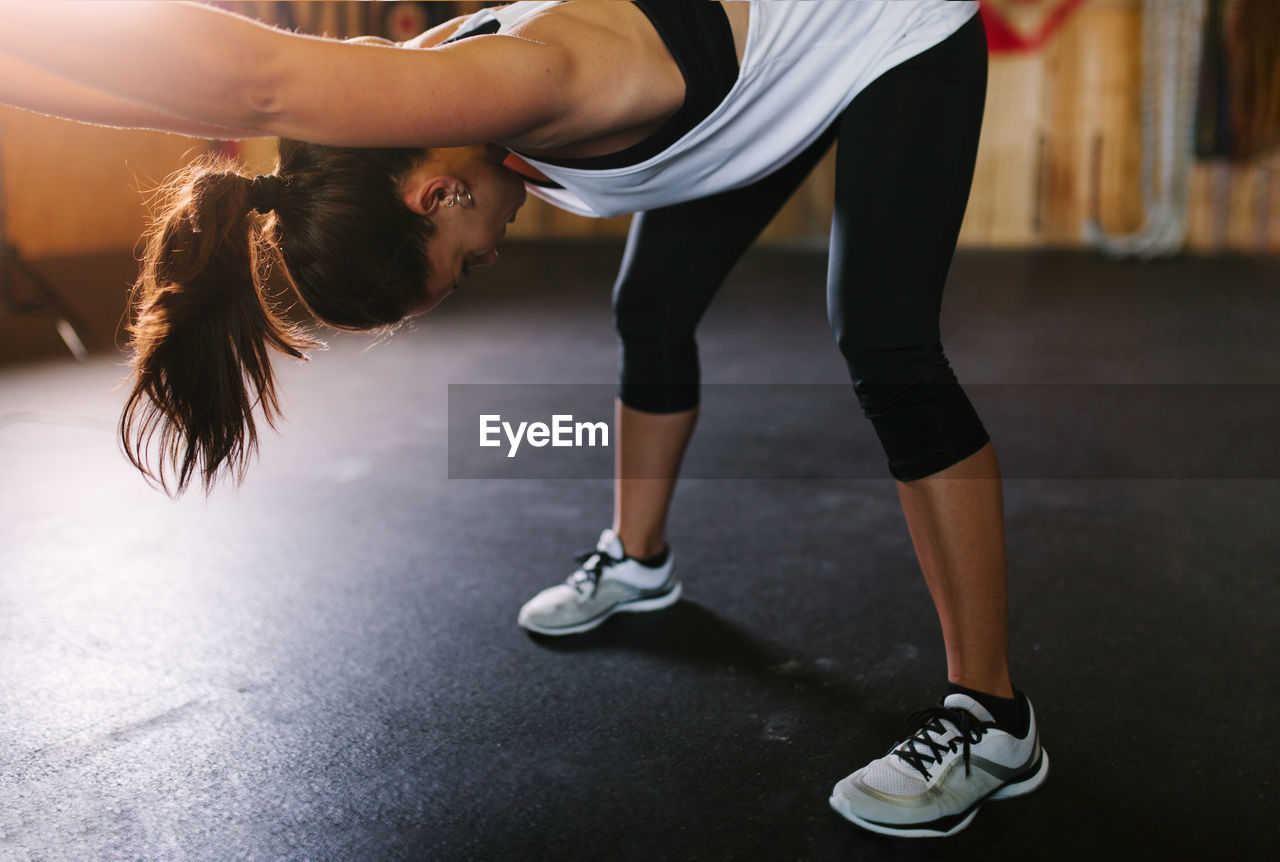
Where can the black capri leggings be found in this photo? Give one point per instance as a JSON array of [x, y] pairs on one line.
[[904, 165]]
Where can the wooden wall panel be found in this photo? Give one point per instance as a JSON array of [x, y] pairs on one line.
[[1235, 207], [1060, 137], [1269, 233], [1063, 137], [1001, 209], [75, 188], [1105, 127]]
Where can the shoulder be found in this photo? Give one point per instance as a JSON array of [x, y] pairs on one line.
[[613, 68], [566, 22]]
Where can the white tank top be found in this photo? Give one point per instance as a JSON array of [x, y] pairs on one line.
[[803, 63]]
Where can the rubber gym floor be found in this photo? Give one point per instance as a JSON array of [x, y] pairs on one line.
[[324, 663]]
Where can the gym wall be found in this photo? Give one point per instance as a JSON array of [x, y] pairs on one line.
[[1062, 141]]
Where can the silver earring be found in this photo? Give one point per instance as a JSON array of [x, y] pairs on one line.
[[464, 198], [449, 201]]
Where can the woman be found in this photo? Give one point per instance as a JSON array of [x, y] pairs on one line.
[[701, 118]]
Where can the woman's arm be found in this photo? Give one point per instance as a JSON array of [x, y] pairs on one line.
[[203, 64], [25, 86]]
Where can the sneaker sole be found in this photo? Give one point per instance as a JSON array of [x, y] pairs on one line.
[[654, 603], [1008, 791], [1026, 785]]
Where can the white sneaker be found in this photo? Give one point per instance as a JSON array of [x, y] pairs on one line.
[[952, 759], [608, 582]]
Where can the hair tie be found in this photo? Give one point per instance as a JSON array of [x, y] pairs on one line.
[[264, 192]]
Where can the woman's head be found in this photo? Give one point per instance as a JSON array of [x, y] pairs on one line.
[[470, 198], [356, 255], [366, 237]]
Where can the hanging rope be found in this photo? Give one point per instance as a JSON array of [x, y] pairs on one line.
[[1255, 100], [1171, 38]]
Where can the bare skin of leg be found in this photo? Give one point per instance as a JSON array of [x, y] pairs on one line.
[[956, 519], [649, 448]]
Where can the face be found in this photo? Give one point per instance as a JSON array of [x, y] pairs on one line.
[[465, 236]]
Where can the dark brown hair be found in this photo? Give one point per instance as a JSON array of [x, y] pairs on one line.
[[202, 327]]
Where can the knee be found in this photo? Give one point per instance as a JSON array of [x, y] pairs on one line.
[[890, 379], [659, 379], [658, 357], [920, 413], [645, 312], [657, 346]]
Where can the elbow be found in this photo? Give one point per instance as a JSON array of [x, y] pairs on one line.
[[261, 100], [262, 107]]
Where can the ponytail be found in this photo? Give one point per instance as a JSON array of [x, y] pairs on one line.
[[202, 331]]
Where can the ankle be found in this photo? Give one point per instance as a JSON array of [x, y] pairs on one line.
[[641, 546], [1009, 713], [994, 684]]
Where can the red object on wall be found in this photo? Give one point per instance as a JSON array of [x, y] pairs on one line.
[[1023, 25], [406, 20]]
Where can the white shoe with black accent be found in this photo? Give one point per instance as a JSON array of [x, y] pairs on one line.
[[607, 583], [951, 759]]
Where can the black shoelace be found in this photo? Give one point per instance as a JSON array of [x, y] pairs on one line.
[[925, 722], [593, 563]]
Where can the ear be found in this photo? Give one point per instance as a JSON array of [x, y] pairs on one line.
[[424, 193]]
